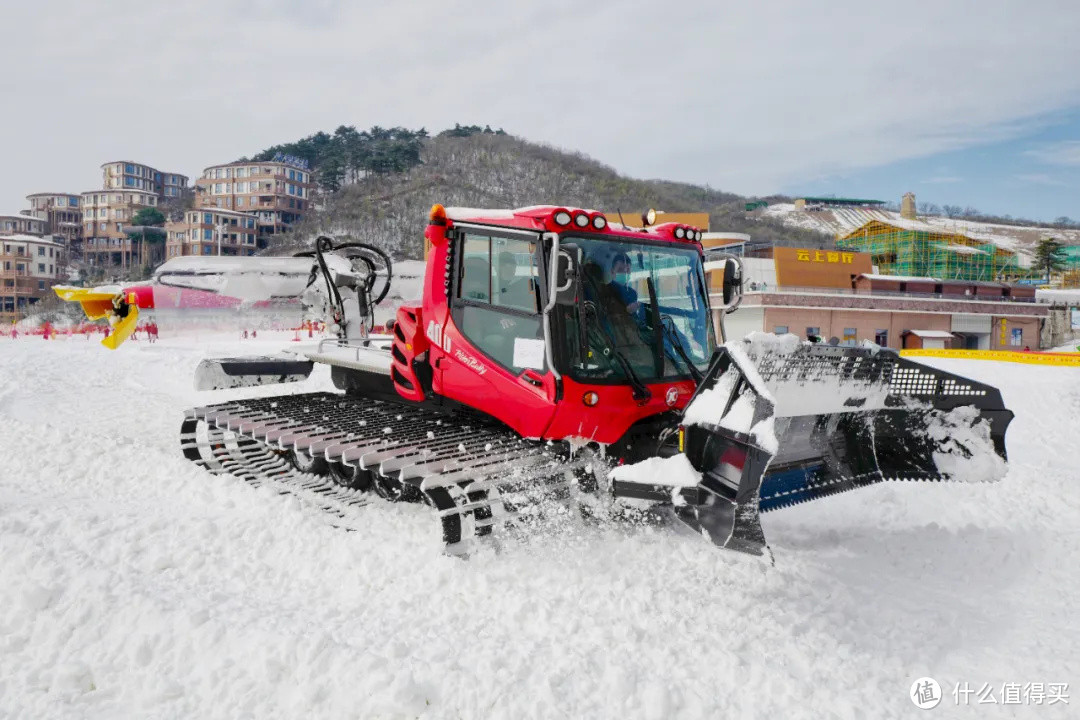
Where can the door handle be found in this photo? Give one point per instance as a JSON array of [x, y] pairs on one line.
[[533, 378]]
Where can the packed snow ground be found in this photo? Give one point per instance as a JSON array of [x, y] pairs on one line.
[[135, 585]]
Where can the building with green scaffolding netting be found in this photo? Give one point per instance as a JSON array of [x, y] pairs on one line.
[[924, 251]]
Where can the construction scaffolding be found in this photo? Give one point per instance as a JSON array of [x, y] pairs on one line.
[[931, 253]]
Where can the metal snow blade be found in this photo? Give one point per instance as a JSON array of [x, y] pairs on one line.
[[785, 428]]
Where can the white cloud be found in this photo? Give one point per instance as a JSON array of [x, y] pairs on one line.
[[744, 96], [1065, 152], [1040, 179]]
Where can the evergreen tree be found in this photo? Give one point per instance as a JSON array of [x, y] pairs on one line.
[[1050, 256]]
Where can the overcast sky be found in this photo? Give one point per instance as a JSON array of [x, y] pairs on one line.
[[751, 97]]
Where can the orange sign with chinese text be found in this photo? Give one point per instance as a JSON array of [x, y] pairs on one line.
[[803, 267]]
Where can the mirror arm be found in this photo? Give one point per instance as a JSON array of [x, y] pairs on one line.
[[552, 294]]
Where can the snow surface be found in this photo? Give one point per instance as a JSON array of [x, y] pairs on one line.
[[135, 585]]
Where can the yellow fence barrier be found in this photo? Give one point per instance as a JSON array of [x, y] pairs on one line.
[[1032, 358]]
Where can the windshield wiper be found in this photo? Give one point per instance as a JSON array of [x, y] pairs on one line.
[[680, 348], [641, 393]]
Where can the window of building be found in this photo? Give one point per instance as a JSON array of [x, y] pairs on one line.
[[41, 267], [40, 284], [208, 234], [1016, 338], [207, 249], [41, 251], [849, 336], [239, 202], [780, 330], [813, 332]]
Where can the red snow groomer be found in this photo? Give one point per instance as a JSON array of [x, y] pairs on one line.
[[556, 354]]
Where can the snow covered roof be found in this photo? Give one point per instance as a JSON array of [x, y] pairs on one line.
[[18, 237], [938, 334], [843, 220]]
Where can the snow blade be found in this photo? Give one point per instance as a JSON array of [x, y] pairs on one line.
[[732, 451], [842, 418], [223, 373]]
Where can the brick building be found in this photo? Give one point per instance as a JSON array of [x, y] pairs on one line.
[[62, 215], [21, 224], [29, 267], [210, 231], [126, 188], [278, 193], [836, 294], [106, 214]]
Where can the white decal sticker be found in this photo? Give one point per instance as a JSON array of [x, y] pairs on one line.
[[529, 353], [435, 335], [470, 362]]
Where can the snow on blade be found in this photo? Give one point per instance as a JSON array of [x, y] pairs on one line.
[[675, 471], [758, 343], [965, 452]]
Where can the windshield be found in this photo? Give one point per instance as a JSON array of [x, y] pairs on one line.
[[642, 304]]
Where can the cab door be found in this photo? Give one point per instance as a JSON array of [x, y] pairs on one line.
[[497, 357]]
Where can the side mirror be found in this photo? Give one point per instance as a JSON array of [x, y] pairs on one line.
[[567, 269], [732, 284]]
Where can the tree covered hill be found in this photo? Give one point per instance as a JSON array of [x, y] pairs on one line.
[[380, 184]]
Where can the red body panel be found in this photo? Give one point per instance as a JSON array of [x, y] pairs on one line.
[[527, 401]]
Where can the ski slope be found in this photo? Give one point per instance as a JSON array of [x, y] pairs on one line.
[[134, 585]]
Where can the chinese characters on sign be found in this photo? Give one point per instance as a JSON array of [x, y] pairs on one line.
[[844, 258], [1011, 693]]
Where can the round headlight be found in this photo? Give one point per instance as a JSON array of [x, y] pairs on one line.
[[599, 222], [680, 233], [581, 220], [562, 218], [694, 235]]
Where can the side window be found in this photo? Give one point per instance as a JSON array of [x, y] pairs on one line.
[[515, 276], [500, 313]]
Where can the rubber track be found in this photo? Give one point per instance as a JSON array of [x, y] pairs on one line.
[[476, 474]]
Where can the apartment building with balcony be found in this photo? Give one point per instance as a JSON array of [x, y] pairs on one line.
[[62, 215], [29, 267], [105, 216], [212, 231], [277, 192], [127, 175], [21, 224]]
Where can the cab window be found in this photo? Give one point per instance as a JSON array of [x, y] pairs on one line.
[[498, 303]]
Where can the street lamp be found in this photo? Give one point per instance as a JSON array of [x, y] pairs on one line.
[[220, 227]]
